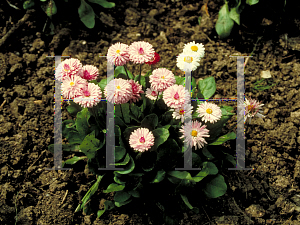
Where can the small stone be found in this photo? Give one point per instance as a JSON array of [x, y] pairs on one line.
[[255, 211]]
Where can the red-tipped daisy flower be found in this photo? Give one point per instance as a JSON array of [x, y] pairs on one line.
[[118, 54], [194, 133], [142, 139], [251, 109], [71, 67], [140, 52], [154, 60], [136, 91], [151, 93], [161, 79], [89, 72], [89, 96], [118, 91], [72, 86], [174, 96]]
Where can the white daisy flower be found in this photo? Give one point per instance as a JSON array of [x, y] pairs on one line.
[[193, 48], [187, 62]]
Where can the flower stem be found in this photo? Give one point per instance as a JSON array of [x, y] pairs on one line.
[[140, 73], [126, 71]]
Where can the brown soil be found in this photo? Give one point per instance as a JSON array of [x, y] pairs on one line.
[[267, 195]]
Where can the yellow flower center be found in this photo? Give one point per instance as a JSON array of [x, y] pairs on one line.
[[118, 51], [209, 111], [118, 87], [181, 112], [188, 59], [72, 83], [194, 48], [250, 107], [163, 77], [194, 133]]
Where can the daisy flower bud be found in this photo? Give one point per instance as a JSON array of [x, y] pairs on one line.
[[140, 52], [142, 139], [118, 54], [161, 79]]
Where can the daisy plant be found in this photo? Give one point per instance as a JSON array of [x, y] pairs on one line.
[[150, 130]]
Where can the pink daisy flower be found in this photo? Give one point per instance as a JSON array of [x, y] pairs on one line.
[[174, 96], [89, 96], [119, 91], [71, 67], [181, 113], [151, 93], [118, 54], [161, 79], [141, 139], [136, 91], [154, 60], [140, 52], [209, 112], [194, 133], [89, 72], [252, 109], [72, 86]]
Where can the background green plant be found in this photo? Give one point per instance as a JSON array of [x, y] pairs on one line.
[[227, 17], [85, 10], [149, 177]]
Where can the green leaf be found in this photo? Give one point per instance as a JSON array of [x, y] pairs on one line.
[[150, 121], [121, 196], [125, 111], [252, 2], [119, 153], [216, 187], [73, 108], [89, 194], [159, 176], [125, 162], [207, 87], [224, 23], [81, 122], [134, 193], [51, 8], [74, 160], [180, 80], [108, 205], [234, 15], [128, 169], [142, 81], [103, 3], [194, 86], [90, 145], [121, 69], [86, 14], [207, 154], [119, 204], [183, 175], [135, 110], [224, 138], [199, 20], [226, 110], [186, 201], [69, 131], [114, 187], [28, 4], [160, 135]]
